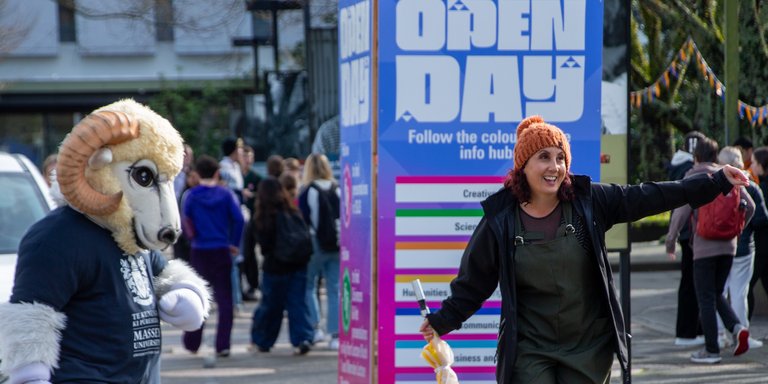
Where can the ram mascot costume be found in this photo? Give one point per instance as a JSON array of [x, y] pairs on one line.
[[91, 285]]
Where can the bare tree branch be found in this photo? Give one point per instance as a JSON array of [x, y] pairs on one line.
[[144, 10], [759, 26], [711, 28], [12, 33]]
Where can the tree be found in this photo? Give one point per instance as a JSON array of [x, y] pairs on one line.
[[201, 117], [658, 29], [12, 31], [164, 12]]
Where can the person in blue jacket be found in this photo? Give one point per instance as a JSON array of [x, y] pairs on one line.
[[541, 241], [213, 222]]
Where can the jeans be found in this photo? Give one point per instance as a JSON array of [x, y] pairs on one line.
[[282, 293], [327, 264], [737, 286], [215, 266], [709, 275], [688, 325], [237, 291]]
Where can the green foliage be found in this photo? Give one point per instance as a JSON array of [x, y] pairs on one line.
[[201, 116], [662, 219], [658, 30]]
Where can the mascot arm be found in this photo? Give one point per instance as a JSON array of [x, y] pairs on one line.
[[34, 373], [30, 337], [184, 298]]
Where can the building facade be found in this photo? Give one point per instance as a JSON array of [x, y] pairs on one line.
[[61, 60]]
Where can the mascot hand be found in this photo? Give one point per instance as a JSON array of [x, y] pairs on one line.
[[182, 308], [33, 373]]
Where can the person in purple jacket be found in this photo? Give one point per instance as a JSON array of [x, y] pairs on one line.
[[213, 223]]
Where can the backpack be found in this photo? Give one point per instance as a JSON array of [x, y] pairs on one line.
[[327, 231], [723, 218], [293, 242]]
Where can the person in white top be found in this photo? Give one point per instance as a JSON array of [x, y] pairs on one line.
[[229, 166]]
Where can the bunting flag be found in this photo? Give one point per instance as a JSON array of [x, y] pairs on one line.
[[757, 116]]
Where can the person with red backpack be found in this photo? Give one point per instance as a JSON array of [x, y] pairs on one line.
[[716, 227]]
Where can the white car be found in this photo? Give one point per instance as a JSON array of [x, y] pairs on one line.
[[24, 199]]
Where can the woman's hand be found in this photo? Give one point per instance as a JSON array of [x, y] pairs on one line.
[[427, 331], [735, 176], [672, 256]]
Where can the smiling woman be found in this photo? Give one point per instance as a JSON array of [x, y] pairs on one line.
[[554, 274]]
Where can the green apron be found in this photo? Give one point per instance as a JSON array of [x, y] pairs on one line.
[[564, 334]]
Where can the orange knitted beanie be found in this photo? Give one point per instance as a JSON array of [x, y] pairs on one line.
[[534, 134]]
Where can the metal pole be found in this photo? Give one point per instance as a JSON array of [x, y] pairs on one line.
[[255, 54], [624, 270], [731, 70], [310, 68], [275, 39]]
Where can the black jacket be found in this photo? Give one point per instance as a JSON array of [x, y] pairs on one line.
[[601, 206]]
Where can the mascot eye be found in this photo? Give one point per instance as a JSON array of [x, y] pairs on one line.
[[143, 176]]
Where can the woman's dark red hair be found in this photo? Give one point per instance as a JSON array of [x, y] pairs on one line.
[[516, 183]]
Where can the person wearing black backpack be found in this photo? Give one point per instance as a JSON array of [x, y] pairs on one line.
[[286, 245], [319, 203]]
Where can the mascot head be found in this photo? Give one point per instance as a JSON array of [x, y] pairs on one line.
[[117, 166]]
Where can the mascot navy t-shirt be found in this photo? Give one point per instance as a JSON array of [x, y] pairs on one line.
[[75, 266]]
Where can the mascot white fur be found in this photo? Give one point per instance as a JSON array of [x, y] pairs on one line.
[[91, 286]]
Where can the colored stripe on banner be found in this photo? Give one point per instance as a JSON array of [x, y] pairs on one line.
[[436, 222], [428, 255], [483, 322], [430, 245], [466, 353], [436, 288], [444, 193], [466, 378], [449, 180]]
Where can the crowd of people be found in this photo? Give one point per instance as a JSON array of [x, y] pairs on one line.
[[236, 221], [233, 218], [719, 274]]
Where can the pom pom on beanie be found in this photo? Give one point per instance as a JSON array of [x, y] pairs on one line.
[[533, 135]]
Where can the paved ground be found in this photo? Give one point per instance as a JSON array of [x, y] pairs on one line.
[[655, 358]]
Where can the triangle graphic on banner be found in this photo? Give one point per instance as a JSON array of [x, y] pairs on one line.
[[458, 6], [571, 63]]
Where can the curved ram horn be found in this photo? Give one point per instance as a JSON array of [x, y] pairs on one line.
[[93, 132]]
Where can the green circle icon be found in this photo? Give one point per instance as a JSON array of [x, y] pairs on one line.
[[346, 301]]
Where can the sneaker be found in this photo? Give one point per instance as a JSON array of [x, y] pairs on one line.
[[253, 348], [740, 340], [686, 342], [754, 343], [303, 348], [333, 344], [224, 353], [723, 340], [250, 296], [703, 357], [319, 336]]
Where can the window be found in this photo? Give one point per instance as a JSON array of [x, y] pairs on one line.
[[164, 20], [67, 31]]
